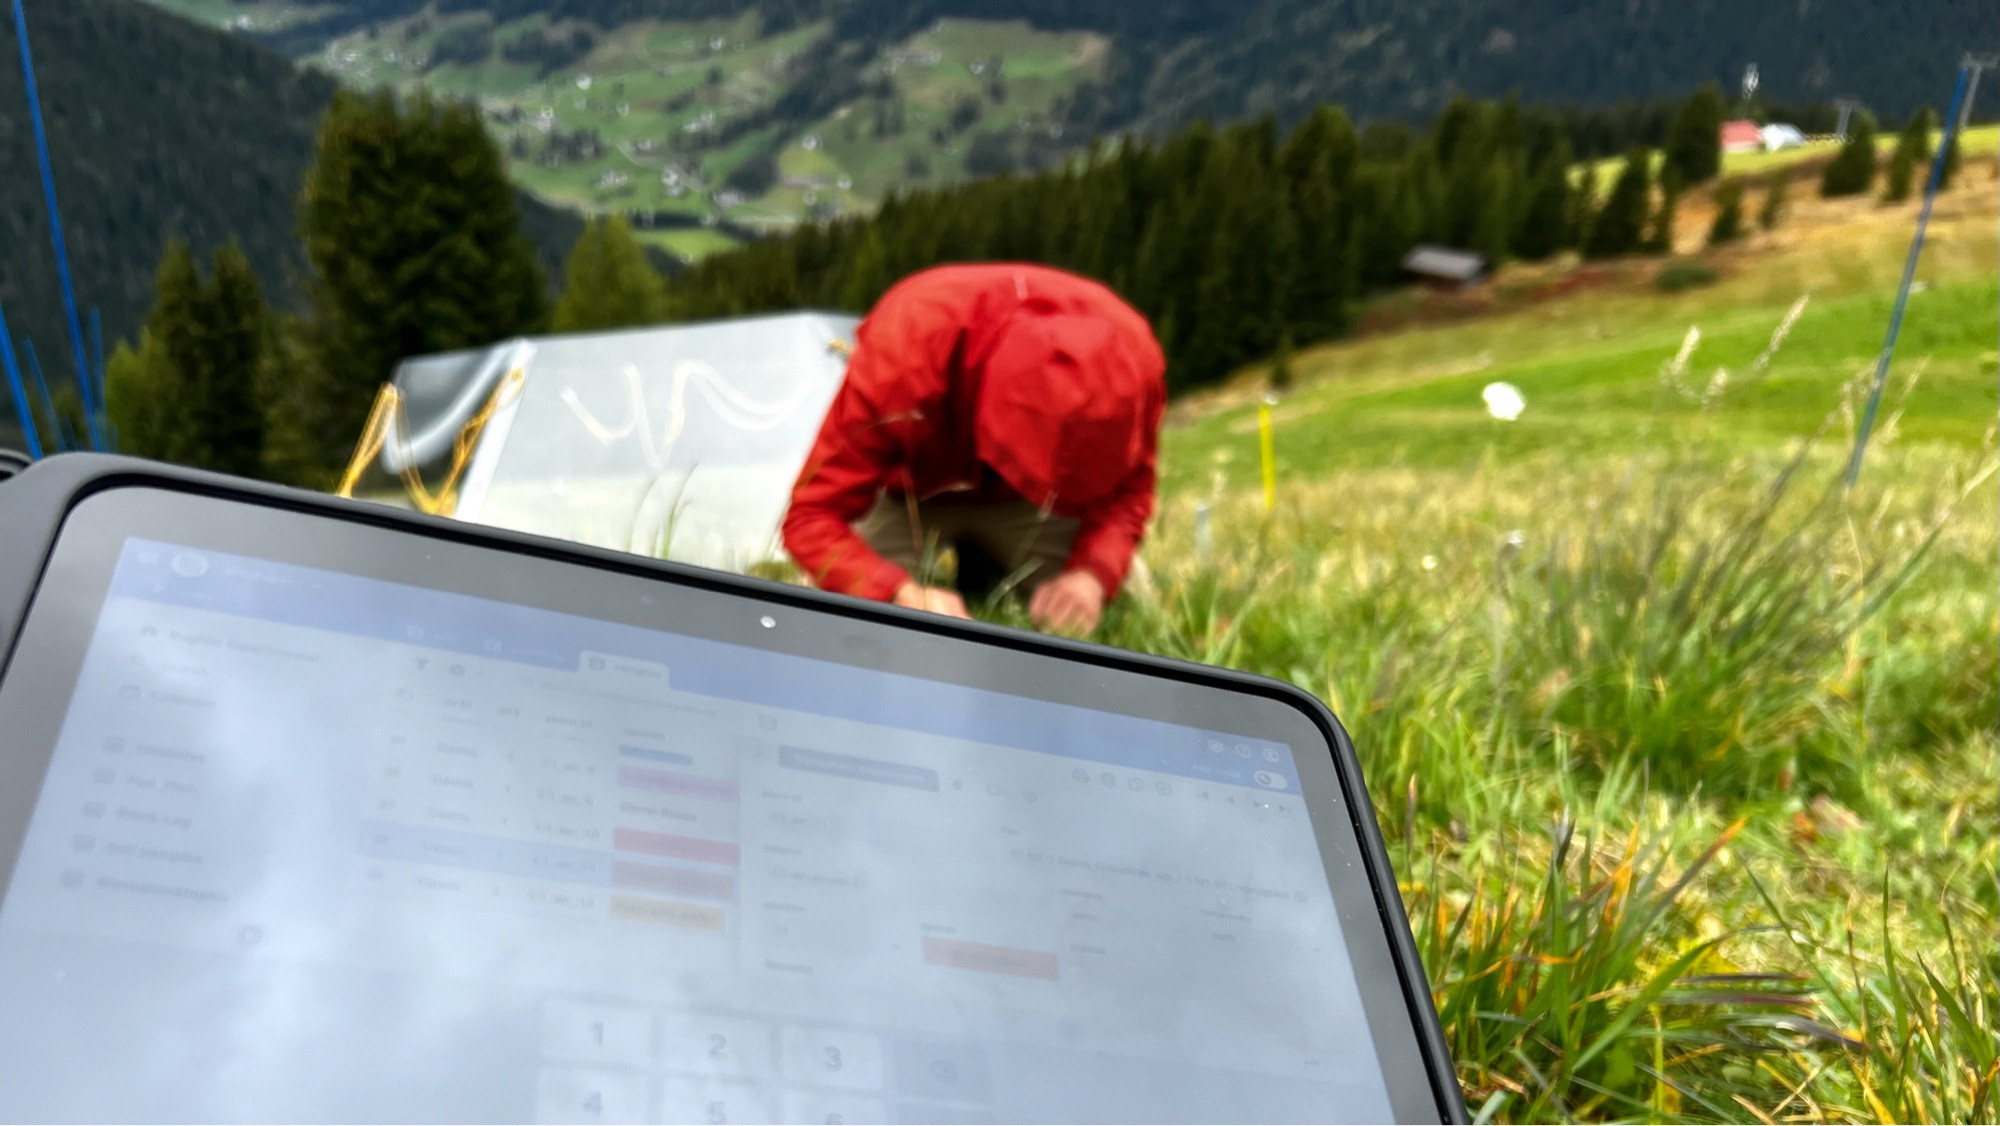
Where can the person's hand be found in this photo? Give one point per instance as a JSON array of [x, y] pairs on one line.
[[1071, 603], [935, 599]]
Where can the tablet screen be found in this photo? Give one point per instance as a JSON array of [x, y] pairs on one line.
[[317, 844]]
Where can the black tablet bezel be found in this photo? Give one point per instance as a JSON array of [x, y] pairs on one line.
[[80, 524]]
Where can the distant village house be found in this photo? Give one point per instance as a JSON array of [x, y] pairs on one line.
[[1748, 136], [1741, 136], [1444, 268]]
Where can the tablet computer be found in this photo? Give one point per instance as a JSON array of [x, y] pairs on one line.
[[312, 810]]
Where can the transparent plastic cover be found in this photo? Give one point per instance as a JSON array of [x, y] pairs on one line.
[[679, 442]]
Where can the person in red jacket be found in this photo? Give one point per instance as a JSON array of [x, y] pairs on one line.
[[1009, 412]]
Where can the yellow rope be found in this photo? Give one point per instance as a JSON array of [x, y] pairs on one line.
[[445, 500], [372, 436]]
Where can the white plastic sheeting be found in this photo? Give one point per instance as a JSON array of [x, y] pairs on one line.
[[680, 442]]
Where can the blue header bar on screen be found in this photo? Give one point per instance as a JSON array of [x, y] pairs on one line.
[[373, 608]]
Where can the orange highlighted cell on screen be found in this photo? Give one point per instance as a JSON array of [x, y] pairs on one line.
[[678, 847], [668, 913], [961, 955]]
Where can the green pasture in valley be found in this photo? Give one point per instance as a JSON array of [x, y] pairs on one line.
[[659, 115]]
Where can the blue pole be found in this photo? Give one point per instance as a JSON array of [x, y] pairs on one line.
[[55, 224], [18, 391], [58, 433], [1902, 292], [97, 373]]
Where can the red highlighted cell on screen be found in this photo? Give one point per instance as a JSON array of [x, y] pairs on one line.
[[678, 847], [960, 955], [677, 783]]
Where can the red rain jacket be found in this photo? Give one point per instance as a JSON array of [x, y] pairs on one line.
[[1000, 379]]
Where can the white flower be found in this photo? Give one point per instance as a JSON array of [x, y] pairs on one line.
[[1504, 401], [1430, 562]]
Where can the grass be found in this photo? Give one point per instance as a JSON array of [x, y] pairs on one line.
[[1979, 141], [688, 242], [1588, 346], [1687, 754], [270, 15], [1657, 739]]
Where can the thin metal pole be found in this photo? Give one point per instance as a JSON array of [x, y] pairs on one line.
[[1979, 64], [15, 388], [1909, 275], [97, 372], [58, 432], [55, 225]]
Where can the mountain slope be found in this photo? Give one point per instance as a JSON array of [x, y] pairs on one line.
[[158, 128], [1404, 57], [708, 119], [1377, 57]]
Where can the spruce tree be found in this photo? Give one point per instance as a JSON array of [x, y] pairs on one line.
[[1913, 146], [1456, 125], [1471, 176], [867, 274], [1499, 209], [1582, 214], [1320, 289], [1852, 170], [607, 281], [192, 391], [1251, 247], [1775, 190], [1385, 223], [147, 397], [1952, 159], [1660, 238], [1896, 181], [293, 453], [1424, 180], [1282, 376], [1544, 220], [1728, 225], [1317, 162], [773, 278], [1325, 135], [237, 341], [410, 227], [1693, 150], [1620, 224]]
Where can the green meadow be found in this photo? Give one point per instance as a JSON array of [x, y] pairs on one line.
[[676, 107], [1685, 750]]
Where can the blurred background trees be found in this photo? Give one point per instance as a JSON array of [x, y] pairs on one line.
[[608, 283], [191, 391], [1234, 240], [1852, 170], [414, 245]]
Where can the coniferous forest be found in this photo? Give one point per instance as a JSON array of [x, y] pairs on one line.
[[1230, 239], [1236, 242], [159, 130]]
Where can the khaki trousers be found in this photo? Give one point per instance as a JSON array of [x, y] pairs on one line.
[[1000, 546]]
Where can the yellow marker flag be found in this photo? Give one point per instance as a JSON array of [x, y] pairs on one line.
[[1270, 451]]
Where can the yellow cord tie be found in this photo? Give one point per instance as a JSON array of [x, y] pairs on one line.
[[389, 404]]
